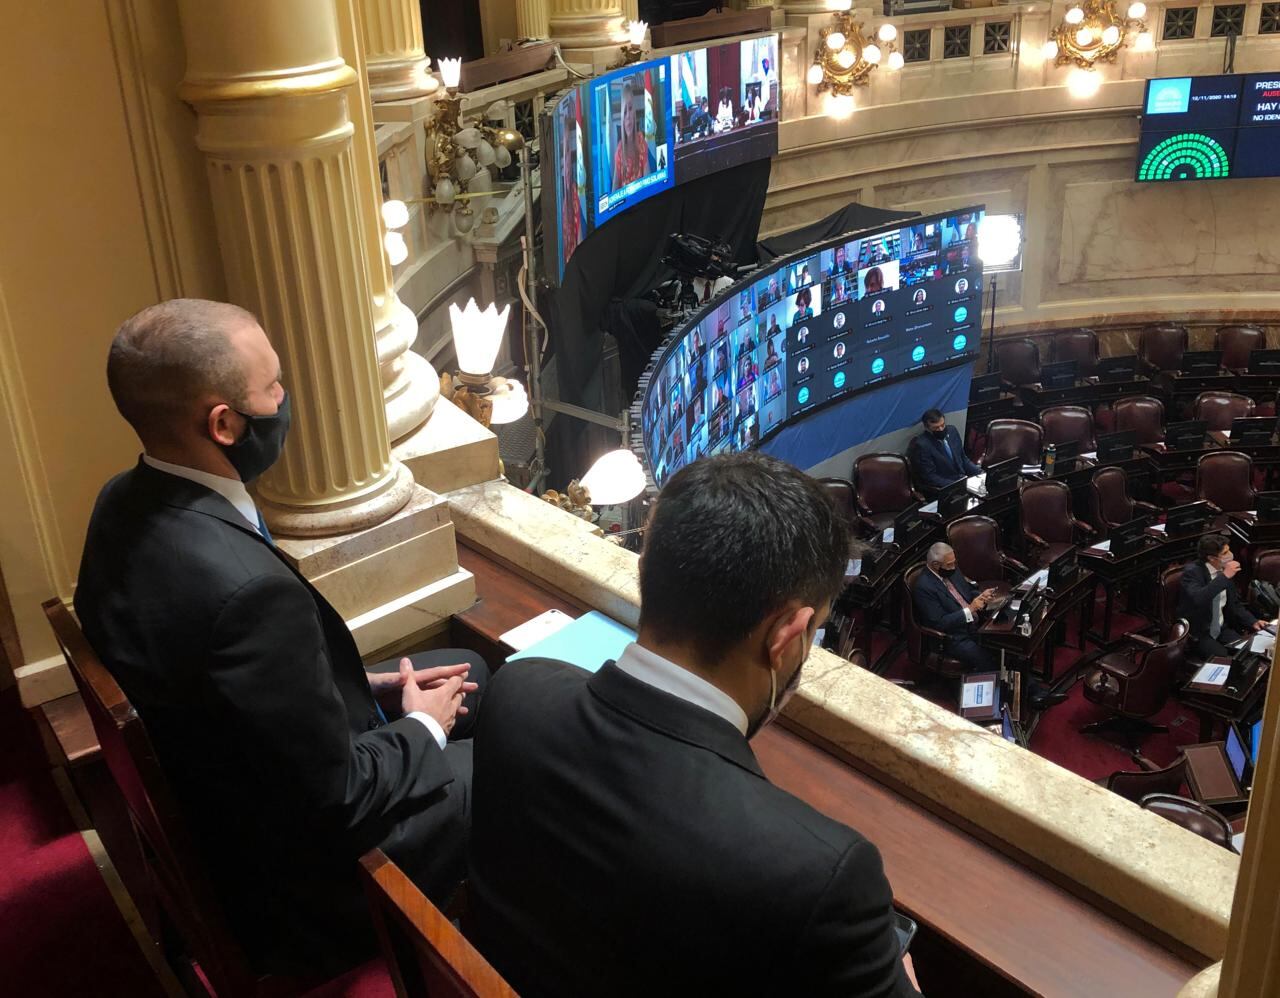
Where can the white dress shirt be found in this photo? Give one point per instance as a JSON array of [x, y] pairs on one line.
[[663, 674], [1219, 601], [233, 490]]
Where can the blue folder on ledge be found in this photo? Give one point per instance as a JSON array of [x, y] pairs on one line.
[[588, 642]]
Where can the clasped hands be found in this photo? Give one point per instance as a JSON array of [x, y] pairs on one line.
[[437, 692]]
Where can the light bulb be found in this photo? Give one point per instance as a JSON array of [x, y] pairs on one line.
[[484, 153], [1084, 37], [839, 106], [477, 335], [1111, 35], [999, 239], [635, 32], [815, 75], [395, 214], [845, 59], [1137, 10], [450, 72], [835, 41], [397, 249], [1050, 49], [895, 60], [466, 167], [887, 33], [614, 479], [510, 401], [1145, 41], [1074, 16], [1083, 83], [872, 54]]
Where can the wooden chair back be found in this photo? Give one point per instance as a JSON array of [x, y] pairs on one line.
[[426, 956]]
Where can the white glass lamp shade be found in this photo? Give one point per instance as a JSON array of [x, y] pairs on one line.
[[887, 33], [450, 72], [1074, 16], [845, 59], [1050, 49], [616, 478], [835, 41], [1137, 10], [1111, 35], [395, 214], [466, 167], [477, 335], [445, 191], [896, 61], [872, 54], [1084, 37], [501, 158], [397, 249], [815, 75], [999, 239], [467, 138], [510, 401], [635, 32], [485, 155]]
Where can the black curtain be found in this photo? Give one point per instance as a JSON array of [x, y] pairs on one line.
[[611, 270], [850, 218]]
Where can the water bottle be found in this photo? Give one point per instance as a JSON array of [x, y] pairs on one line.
[[1050, 455]]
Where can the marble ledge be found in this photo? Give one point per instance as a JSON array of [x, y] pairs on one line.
[[1171, 879]]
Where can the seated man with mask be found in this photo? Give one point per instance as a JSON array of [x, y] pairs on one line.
[[654, 856], [937, 456], [249, 683], [1208, 601]]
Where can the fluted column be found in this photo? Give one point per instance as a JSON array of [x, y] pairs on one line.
[[393, 46], [753, 4], [583, 24], [630, 10], [410, 385], [274, 125], [533, 19]]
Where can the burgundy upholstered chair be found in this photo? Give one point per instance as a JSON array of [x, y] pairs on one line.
[[1236, 343], [1110, 504], [976, 540], [1161, 346], [1225, 478], [1266, 565], [1080, 345], [1064, 424], [1136, 785], [1144, 415], [882, 484], [1008, 438], [842, 496], [925, 644], [1218, 409], [1191, 815], [1018, 361], [1167, 599], [1048, 525], [1133, 683]]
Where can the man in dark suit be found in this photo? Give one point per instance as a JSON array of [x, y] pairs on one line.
[[248, 681], [946, 601], [1208, 601], [624, 838], [937, 455]]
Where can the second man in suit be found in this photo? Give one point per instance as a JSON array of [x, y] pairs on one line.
[[937, 455], [946, 601], [1208, 601]]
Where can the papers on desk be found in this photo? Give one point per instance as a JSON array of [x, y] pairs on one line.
[[1226, 433], [1102, 547], [1158, 527], [1212, 674], [587, 642], [1030, 469], [887, 536], [1090, 456], [977, 694], [930, 507], [977, 484], [1035, 579], [1260, 642], [853, 569]]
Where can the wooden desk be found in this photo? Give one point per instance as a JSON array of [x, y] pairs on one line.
[[876, 596], [1180, 389], [1089, 393], [991, 924], [1171, 463], [1006, 639]]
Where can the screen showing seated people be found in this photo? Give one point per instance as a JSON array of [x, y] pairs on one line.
[[1210, 128], [812, 329], [630, 136], [569, 194], [724, 106]]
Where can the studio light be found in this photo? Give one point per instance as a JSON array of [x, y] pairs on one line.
[[1000, 242], [614, 479]]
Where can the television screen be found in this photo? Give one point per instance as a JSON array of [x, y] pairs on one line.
[[724, 106], [1258, 140], [630, 129], [811, 329], [570, 188]]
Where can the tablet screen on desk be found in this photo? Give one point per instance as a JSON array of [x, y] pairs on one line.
[[1236, 754]]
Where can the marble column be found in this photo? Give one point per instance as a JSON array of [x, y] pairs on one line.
[[395, 54], [410, 385], [802, 6], [630, 11], [752, 4], [274, 125], [533, 19], [586, 24], [1250, 965]]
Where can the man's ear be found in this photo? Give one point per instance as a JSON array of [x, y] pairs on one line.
[[223, 424], [786, 626]]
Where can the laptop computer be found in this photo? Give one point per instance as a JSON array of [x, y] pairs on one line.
[[1124, 368], [1059, 375], [984, 388], [1264, 362], [1118, 446], [1253, 430], [1201, 363], [1187, 435], [1187, 519]]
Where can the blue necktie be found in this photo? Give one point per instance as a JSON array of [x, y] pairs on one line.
[[950, 453], [262, 529]]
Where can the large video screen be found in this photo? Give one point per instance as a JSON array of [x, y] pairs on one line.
[[724, 106], [630, 136], [1210, 128], [812, 329], [569, 193]]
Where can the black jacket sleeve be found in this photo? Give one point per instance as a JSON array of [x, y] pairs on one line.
[[1199, 589], [946, 616], [848, 946], [926, 466], [1237, 612], [269, 681]]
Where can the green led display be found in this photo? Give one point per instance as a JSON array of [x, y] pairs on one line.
[[1187, 156]]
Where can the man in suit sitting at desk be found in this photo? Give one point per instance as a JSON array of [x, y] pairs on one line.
[[946, 601], [937, 455], [625, 841], [1208, 601], [252, 690]]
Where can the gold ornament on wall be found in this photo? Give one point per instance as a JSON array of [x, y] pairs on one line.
[[845, 57], [1092, 32]]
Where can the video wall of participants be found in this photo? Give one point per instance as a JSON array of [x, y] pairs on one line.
[[812, 329], [1210, 128], [637, 131]]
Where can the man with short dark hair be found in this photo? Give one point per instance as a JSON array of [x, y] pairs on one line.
[[624, 839], [248, 681], [937, 456], [1207, 599]]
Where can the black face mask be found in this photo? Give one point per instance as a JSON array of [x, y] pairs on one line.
[[946, 573], [939, 434], [262, 442]]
